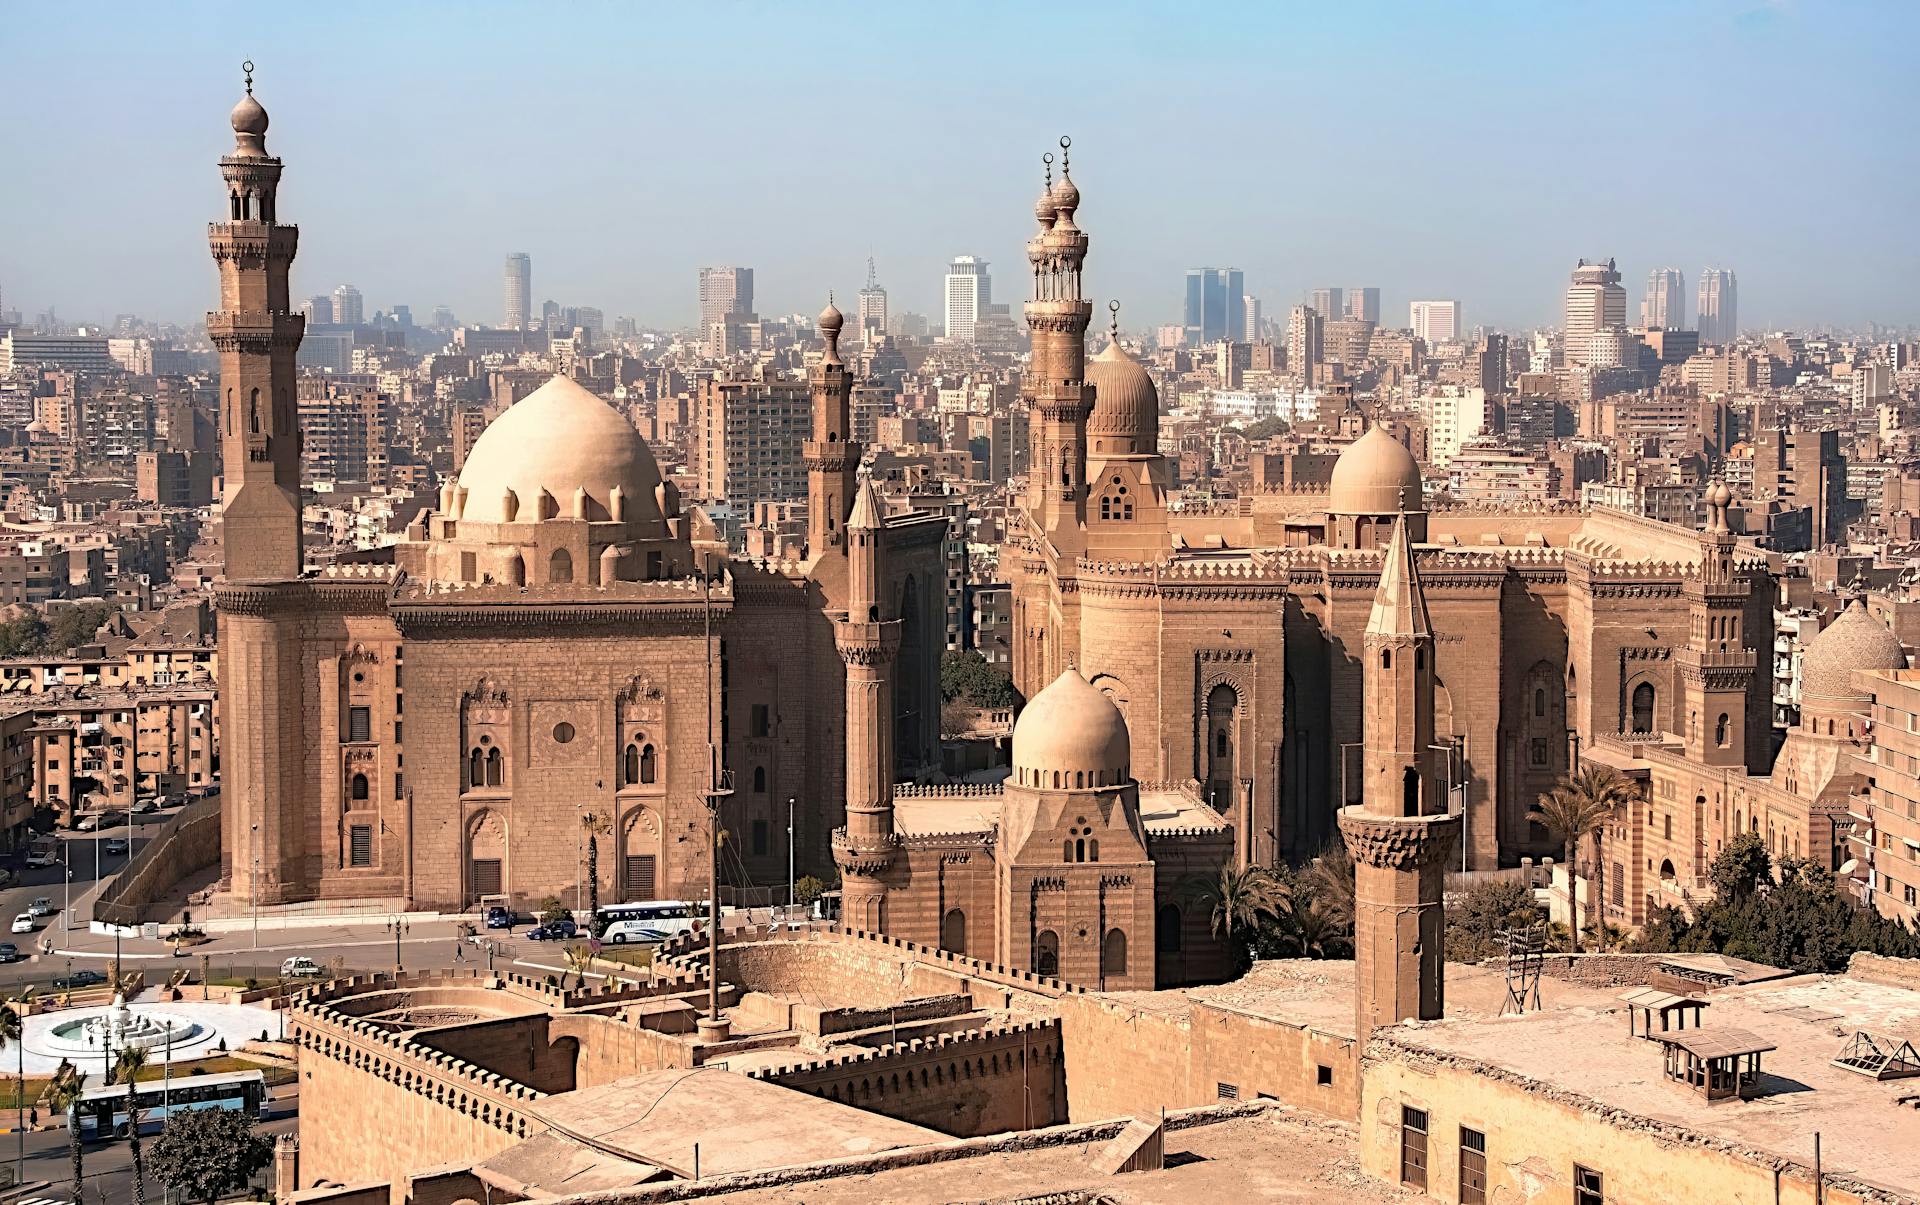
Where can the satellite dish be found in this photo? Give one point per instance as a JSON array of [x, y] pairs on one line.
[[1849, 866]]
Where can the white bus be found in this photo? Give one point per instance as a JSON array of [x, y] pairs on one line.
[[649, 922], [102, 1112]]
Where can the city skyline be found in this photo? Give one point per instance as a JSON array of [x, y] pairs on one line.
[[435, 230]]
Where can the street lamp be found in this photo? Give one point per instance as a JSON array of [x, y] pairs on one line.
[[253, 884], [790, 899], [398, 928]]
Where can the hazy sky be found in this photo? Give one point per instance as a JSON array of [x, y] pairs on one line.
[[1436, 150]]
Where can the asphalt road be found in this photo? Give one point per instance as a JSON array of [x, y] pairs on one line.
[[107, 1166]]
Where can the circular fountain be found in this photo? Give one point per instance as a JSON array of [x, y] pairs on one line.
[[178, 1032], [119, 1027]]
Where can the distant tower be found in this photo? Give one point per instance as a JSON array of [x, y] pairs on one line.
[[1665, 305], [1057, 318], [1719, 308], [831, 455], [349, 308], [1400, 834], [519, 296], [867, 639], [873, 307], [1716, 666], [256, 333], [969, 291], [1595, 303]]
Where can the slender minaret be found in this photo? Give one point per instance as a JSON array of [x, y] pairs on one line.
[[1716, 666], [1400, 834], [867, 639], [1058, 316], [831, 455], [256, 333]]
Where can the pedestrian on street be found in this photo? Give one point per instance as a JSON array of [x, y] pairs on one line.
[[459, 951]]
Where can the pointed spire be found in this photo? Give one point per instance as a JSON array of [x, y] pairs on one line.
[[1400, 605], [867, 511], [1113, 323]]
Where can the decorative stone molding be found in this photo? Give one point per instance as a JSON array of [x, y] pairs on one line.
[[1398, 842]]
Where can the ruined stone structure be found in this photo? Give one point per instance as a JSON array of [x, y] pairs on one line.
[[429, 727]]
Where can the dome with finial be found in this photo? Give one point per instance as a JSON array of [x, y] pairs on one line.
[[1126, 405], [831, 320], [1071, 735], [1043, 208], [1065, 195], [1376, 475], [250, 117], [1854, 642]]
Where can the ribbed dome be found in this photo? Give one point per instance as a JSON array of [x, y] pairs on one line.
[[1070, 727], [1375, 476], [560, 440], [1125, 402], [1856, 641]]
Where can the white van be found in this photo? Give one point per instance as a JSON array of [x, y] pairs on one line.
[[650, 922]]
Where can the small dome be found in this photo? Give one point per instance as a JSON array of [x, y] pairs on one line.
[[1071, 727], [1066, 196], [1374, 476], [831, 320], [1856, 641], [559, 440], [1043, 208], [1125, 403], [250, 117]]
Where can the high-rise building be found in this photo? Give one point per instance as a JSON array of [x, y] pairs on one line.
[[1328, 302], [318, 310], [1255, 317], [1306, 335], [1434, 321], [1719, 306], [969, 292], [873, 306], [443, 319], [1363, 302], [1595, 303], [348, 308], [724, 293], [519, 298], [1665, 306], [1216, 305]]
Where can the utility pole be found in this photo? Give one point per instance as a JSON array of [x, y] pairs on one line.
[[718, 788], [790, 802]]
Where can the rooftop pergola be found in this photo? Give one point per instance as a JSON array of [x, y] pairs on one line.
[[1644, 1004], [1881, 1056], [1724, 1064]]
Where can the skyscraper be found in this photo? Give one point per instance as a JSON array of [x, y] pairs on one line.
[[873, 306], [1363, 302], [969, 292], [1328, 302], [1434, 321], [1665, 306], [724, 292], [519, 291], [318, 310], [1254, 320], [1719, 306], [1306, 335], [1595, 303], [1216, 305], [348, 308]]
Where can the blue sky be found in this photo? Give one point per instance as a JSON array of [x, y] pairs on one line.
[[1471, 151]]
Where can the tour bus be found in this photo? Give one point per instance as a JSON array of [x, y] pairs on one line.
[[649, 922], [101, 1112]]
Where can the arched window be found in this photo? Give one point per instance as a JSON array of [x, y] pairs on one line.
[[1113, 953], [476, 767], [1166, 929], [1666, 870], [953, 932], [1080, 849], [649, 767], [630, 764], [1046, 953], [1410, 792], [495, 764], [560, 567], [1720, 730], [1066, 850], [358, 788], [1539, 702], [1643, 707], [759, 780], [1386, 658], [1093, 849]]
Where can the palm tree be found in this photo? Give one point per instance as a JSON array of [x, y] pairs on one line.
[[1328, 881], [1238, 899], [1310, 929], [1578, 807], [63, 1095], [12, 1021], [127, 1066], [596, 825]]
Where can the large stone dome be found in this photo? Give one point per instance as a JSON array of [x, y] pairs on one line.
[[554, 443], [1854, 642], [1125, 403], [1071, 729], [1376, 475]]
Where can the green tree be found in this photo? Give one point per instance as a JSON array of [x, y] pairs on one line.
[[1478, 916], [127, 1066], [1328, 879], [203, 1154], [1580, 807], [1740, 867], [807, 888], [1265, 428], [63, 1094], [967, 675], [1237, 903], [73, 626]]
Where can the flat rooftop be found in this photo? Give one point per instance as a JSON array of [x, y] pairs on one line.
[[1868, 1129]]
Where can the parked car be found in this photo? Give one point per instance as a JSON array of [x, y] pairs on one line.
[[23, 923], [42, 857], [147, 807], [554, 930], [41, 906], [87, 824], [499, 917], [301, 967], [116, 845], [80, 979], [10, 952]]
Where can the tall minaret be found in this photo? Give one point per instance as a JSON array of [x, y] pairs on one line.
[[1058, 316], [1716, 666], [867, 639], [256, 333], [1400, 834], [831, 454]]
